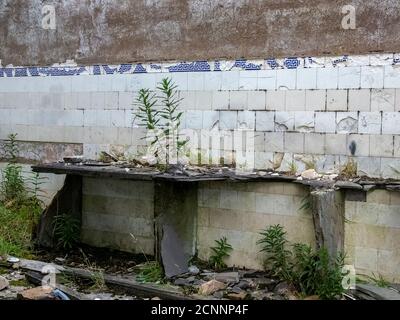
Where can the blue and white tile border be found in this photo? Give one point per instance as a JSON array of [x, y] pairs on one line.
[[204, 66]]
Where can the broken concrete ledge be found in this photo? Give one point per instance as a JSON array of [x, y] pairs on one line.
[[147, 174]]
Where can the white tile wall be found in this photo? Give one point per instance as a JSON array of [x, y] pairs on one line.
[[316, 110]]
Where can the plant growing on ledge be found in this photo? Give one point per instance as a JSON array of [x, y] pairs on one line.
[[160, 116], [220, 252], [349, 170]]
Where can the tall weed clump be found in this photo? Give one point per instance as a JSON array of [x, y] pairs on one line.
[[312, 272], [20, 206]]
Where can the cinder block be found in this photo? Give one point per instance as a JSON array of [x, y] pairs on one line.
[[210, 119], [265, 121], [361, 142], [210, 198], [349, 77], [294, 142], [366, 259], [372, 77], [304, 121], [238, 100], [383, 100], [73, 118], [390, 123], [265, 203], [347, 122], [247, 202], [284, 121], [306, 78], [336, 144], [180, 79], [196, 81], [397, 146], [221, 100], [71, 100], [111, 100], [263, 160], [90, 118], [336, 100], [286, 79], [314, 143], [370, 122], [203, 100], [203, 216], [392, 77], [381, 145], [388, 260], [325, 122], [5, 116], [117, 118], [256, 100], [127, 100], [119, 82], [97, 100], [130, 120], [360, 100], [315, 100], [276, 100], [135, 82], [266, 79], [80, 84], [397, 100], [194, 119], [248, 80], [125, 136], [369, 166], [295, 100], [230, 80], [327, 78], [246, 120], [390, 168], [228, 120], [259, 142], [84, 100], [212, 81], [379, 196], [390, 218], [188, 100], [228, 199], [274, 141]]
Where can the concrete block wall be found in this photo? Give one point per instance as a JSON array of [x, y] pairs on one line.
[[118, 214], [372, 234], [299, 108], [240, 211]]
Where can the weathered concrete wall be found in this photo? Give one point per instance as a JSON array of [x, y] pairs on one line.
[[372, 239], [113, 210], [240, 211], [110, 31]]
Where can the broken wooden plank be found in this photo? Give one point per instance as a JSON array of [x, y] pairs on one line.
[[37, 277], [133, 286], [128, 284]]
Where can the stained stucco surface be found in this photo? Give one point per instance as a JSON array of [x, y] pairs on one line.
[[111, 31]]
